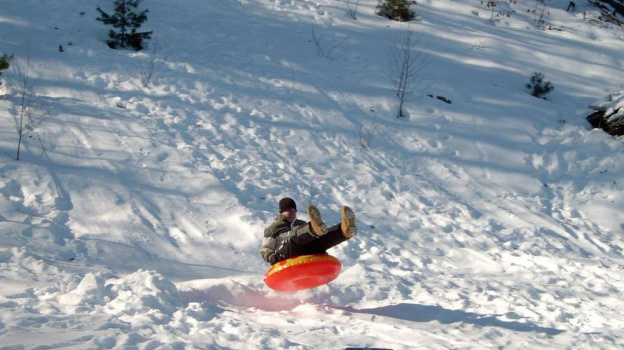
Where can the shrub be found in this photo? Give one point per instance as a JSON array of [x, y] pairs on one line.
[[538, 87], [397, 10]]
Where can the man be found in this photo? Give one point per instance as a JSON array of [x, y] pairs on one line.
[[288, 236]]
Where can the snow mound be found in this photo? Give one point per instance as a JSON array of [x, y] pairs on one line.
[[144, 293], [139, 308]]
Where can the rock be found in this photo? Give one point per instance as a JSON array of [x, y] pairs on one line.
[[609, 114]]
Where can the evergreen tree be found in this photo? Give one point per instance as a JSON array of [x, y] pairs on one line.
[[126, 21], [538, 86], [397, 10], [5, 62]]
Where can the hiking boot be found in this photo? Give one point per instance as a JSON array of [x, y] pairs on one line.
[[317, 226], [347, 226]]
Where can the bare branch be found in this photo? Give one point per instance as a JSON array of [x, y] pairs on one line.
[[368, 130], [154, 64], [352, 8], [321, 48]]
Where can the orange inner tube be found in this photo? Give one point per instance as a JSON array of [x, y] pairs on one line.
[[302, 272]]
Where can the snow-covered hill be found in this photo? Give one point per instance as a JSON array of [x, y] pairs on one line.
[[134, 216]]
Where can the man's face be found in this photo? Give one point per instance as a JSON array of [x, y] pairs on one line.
[[290, 214]]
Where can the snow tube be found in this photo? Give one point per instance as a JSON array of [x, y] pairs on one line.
[[302, 272]]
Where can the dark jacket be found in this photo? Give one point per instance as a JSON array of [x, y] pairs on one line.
[[279, 237]]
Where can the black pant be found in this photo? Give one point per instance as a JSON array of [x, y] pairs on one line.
[[319, 245]]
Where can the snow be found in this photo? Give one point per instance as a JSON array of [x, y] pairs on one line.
[[490, 222]]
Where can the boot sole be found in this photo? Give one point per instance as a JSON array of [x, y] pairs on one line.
[[318, 226], [348, 219]]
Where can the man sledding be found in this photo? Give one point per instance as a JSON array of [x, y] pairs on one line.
[[298, 249]]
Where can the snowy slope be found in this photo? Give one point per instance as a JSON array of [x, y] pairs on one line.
[[492, 221]]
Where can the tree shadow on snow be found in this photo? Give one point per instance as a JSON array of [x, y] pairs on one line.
[[428, 313]]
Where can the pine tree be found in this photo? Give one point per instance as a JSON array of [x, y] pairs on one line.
[[397, 10], [538, 86], [126, 21], [5, 62]]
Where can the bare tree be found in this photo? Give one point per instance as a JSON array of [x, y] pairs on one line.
[[153, 65], [492, 5], [407, 63], [25, 116], [322, 49], [538, 15], [368, 130], [352, 8]]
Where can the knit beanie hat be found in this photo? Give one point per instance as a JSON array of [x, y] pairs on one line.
[[287, 203]]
